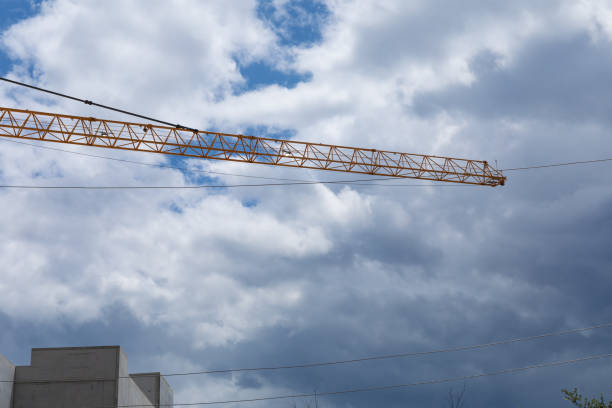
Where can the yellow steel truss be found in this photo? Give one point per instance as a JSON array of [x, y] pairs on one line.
[[88, 131]]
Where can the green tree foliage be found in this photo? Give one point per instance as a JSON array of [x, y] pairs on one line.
[[575, 398]]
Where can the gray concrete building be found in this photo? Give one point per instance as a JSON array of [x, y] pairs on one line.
[[80, 377]]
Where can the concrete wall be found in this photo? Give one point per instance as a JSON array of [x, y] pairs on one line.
[[148, 384], [77, 377], [50, 379], [166, 395], [129, 392], [7, 372], [155, 387]]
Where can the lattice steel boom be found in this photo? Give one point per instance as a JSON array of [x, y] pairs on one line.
[[88, 131]]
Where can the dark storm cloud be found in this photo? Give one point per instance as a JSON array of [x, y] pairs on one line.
[[568, 259], [555, 270], [116, 326], [456, 321], [351, 314], [566, 79]]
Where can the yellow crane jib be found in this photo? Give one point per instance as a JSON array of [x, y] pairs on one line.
[[178, 141]]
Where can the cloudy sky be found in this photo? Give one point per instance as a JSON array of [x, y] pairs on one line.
[[190, 280]]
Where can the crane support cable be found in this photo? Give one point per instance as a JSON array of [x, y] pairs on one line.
[[88, 102], [223, 146], [90, 131]]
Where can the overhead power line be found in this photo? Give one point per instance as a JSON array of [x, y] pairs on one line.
[[194, 187], [398, 355], [356, 360], [158, 165], [381, 387], [360, 182], [543, 166], [370, 182], [350, 181]]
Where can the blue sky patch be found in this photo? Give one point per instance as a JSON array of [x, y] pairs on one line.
[[175, 208], [192, 176], [259, 74], [297, 23], [250, 203], [13, 11], [266, 131]]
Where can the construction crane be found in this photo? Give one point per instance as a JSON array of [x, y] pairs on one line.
[[185, 142]]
